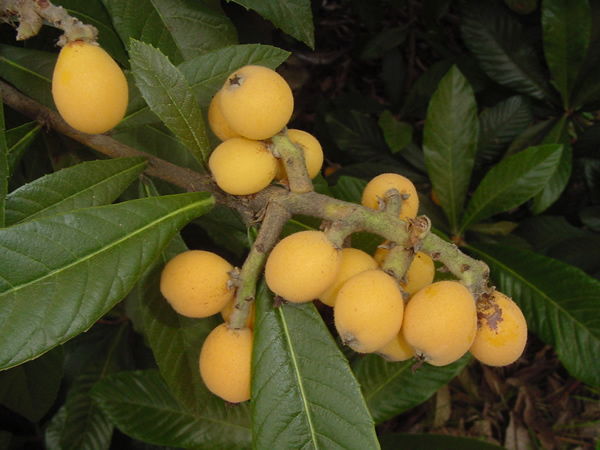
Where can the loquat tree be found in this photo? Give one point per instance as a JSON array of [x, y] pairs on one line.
[[193, 255]]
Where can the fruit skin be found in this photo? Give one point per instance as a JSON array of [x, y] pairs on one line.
[[501, 332], [217, 121], [256, 102], [302, 266], [313, 153], [354, 261], [195, 283], [440, 322], [88, 87], [396, 350], [242, 166], [420, 273], [225, 363], [378, 186], [368, 311]]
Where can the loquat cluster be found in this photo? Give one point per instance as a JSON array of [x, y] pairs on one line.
[[254, 104], [388, 303]]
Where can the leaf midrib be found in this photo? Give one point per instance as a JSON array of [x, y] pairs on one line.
[[104, 249]]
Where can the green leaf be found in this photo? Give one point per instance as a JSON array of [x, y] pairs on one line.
[[567, 31], [450, 142], [559, 180], [141, 405], [293, 17], [82, 424], [501, 46], [31, 388], [397, 134], [61, 273], [349, 189], [304, 394], [182, 29], [169, 95], [94, 13], [18, 140], [560, 302], [391, 388], [4, 167], [207, 73], [157, 140], [499, 126], [88, 184], [512, 182], [226, 228], [30, 71], [356, 134], [175, 340], [418, 441]]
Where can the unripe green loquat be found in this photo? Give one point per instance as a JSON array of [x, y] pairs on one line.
[[225, 363], [256, 102], [302, 266], [440, 322], [368, 311], [312, 150], [242, 166], [354, 261], [195, 283], [88, 87], [376, 189], [501, 333]]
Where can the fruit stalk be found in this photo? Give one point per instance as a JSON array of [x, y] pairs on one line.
[[274, 219], [32, 13], [293, 160], [351, 217]]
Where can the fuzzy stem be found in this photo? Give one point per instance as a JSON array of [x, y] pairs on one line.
[[32, 13], [292, 158], [473, 273], [274, 219]]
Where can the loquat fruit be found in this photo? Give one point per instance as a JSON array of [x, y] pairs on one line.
[[368, 310], [225, 363], [195, 283], [88, 87], [440, 322], [501, 332], [302, 266]]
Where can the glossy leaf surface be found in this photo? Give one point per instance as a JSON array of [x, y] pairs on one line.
[[392, 388], [141, 405], [92, 183], [62, 273], [293, 17], [512, 182], [450, 142], [303, 393], [170, 97]]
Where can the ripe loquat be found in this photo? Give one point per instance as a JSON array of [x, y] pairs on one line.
[[88, 87], [195, 283], [368, 310], [302, 266], [225, 363], [501, 332], [440, 322]]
